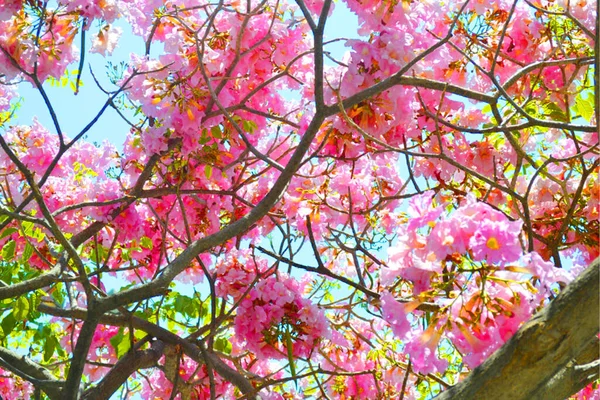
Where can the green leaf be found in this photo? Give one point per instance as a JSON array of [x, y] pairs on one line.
[[532, 109], [223, 345], [585, 107], [290, 352], [99, 254], [121, 343], [38, 235], [8, 324], [49, 347], [36, 300], [208, 171], [61, 352], [204, 138], [27, 253], [146, 243], [204, 312], [186, 305], [58, 295], [553, 111], [27, 228], [497, 139], [216, 132], [8, 273], [8, 251], [139, 335], [249, 126], [21, 309], [8, 231]]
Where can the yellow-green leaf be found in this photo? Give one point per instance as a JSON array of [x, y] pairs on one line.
[[290, 351], [49, 348], [585, 107], [21, 309], [8, 251]]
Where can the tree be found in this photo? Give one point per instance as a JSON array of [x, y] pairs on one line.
[[285, 223]]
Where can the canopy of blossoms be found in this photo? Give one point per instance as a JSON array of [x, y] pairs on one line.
[[282, 221]]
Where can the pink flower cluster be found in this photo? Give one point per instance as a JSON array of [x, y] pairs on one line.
[[13, 387], [9, 7], [273, 42], [321, 192], [463, 255], [107, 10], [346, 351], [78, 177], [427, 240], [46, 55], [236, 272], [275, 312], [488, 295]]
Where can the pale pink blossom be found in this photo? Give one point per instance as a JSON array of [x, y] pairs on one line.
[[106, 40]]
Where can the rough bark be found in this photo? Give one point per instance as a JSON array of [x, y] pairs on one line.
[[574, 377], [541, 360], [33, 372], [126, 366]]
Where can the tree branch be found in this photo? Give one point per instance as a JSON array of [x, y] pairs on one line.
[[13, 291], [73, 386], [160, 283], [575, 376], [31, 371], [126, 366]]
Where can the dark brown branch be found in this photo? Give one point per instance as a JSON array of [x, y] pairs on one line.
[[30, 285], [398, 79], [36, 374], [126, 366], [84, 340], [160, 283]]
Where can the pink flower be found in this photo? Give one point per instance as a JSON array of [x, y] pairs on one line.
[[9, 7], [236, 271], [545, 271], [394, 313], [423, 356], [105, 9], [13, 387], [422, 212], [497, 242], [154, 140], [590, 392], [106, 40], [7, 93], [450, 236], [408, 259]]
